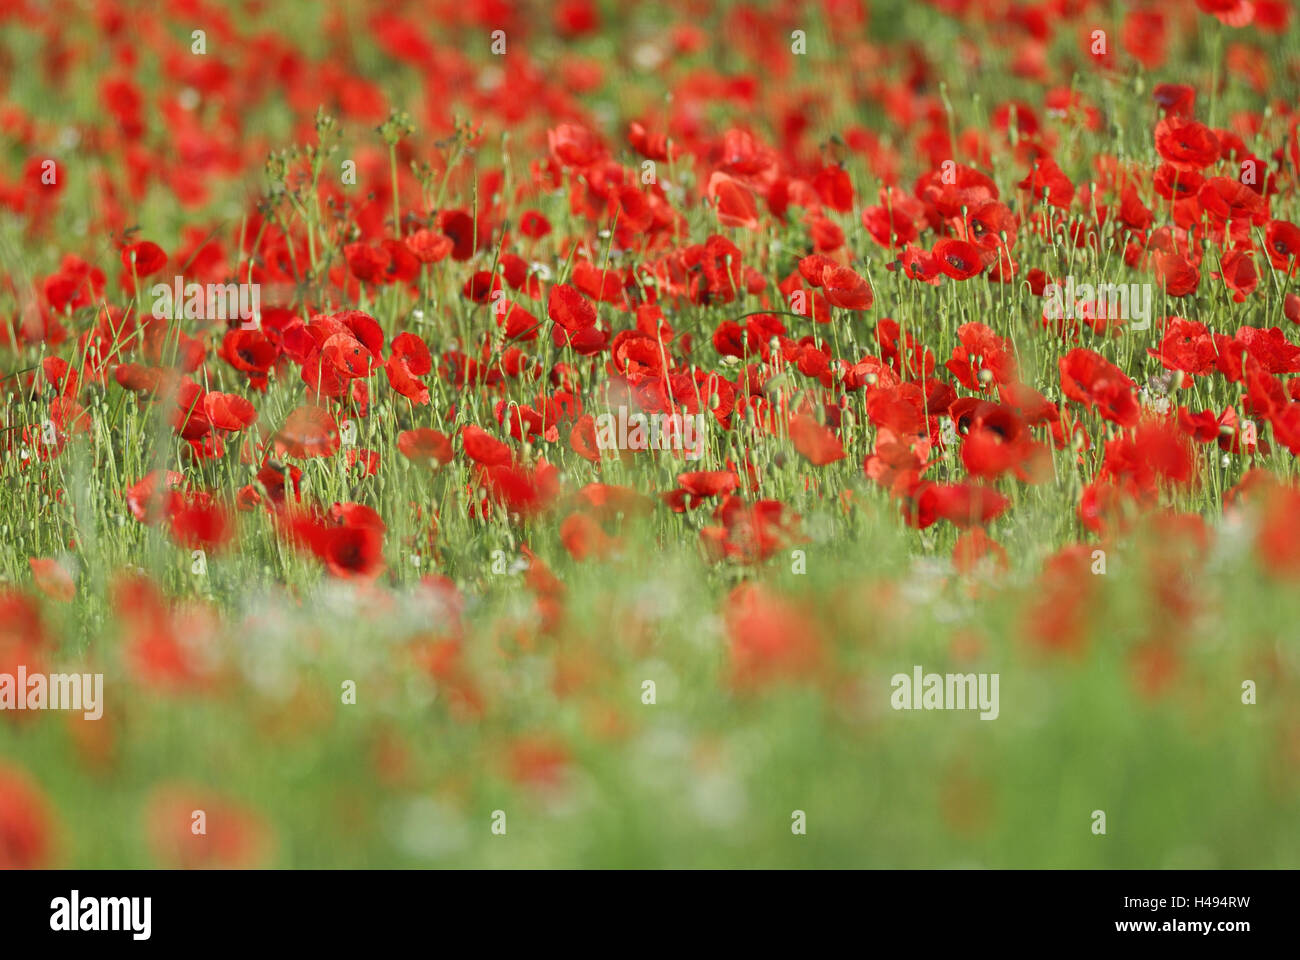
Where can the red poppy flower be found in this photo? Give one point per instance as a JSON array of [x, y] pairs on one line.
[[899, 409], [983, 357], [1156, 454], [200, 522], [228, 411], [846, 289], [459, 226], [166, 646], [26, 841], [813, 266], [483, 448], [959, 259], [68, 417], [522, 490], [607, 501], [1046, 181], [424, 445], [962, 504], [918, 264], [368, 264], [582, 438], [361, 325], [992, 226], [275, 478], [1092, 380], [972, 547], [427, 246], [583, 537], [52, 579], [351, 551], [570, 309], [1176, 183], [188, 415], [1277, 540], [413, 353], [250, 351], [833, 185], [889, 227], [1186, 346], [710, 483], [481, 286], [770, 639], [814, 441], [1226, 199], [356, 515], [574, 145], [955, 186], [997, 442], [1144, 36], [309, 431], [1234, 13], [1238, 273], [150, 500], [144, 258], [1057, 619], [519, 324], [604, 286], [896, 466], [750, 533], [348, 357], [1185, 143], [1177, 275], [403, 265], [735, 204], [402, 381], [76, 284], [534, 225], [1132, 212], [1029, 403], [1282, 242], [1175, 98], [1291, 307]]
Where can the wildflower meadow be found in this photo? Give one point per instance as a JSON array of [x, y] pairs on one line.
[[594, 434]]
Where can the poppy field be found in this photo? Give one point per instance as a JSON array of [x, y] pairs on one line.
[[853, 433]]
